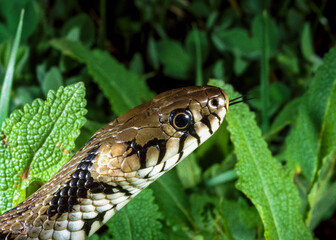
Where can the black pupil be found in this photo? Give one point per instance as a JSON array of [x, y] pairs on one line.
[[182, 120]]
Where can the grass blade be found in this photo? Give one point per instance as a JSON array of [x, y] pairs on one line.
[[264, 73], [8, 81]]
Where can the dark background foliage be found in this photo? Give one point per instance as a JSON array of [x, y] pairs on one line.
[[174, 43]]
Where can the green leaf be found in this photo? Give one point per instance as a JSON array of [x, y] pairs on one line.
[[302, 144], [239, 64], [4, 33], [199, 9], [10, 11], [264, 181], [313, 135], [306, 43], [80, 28], [172, 201], [288, 60], [20, 59], [139, 220], [322, 196], [176, 61], [7, 84], [189, 172], [38, 140], [294, 21], [285, 117], [152, 53], [205, 212], [328, 131], [223, 219], [222, 178], [240, 42], [124, 89], [278, 93], [137, 65], [52, 80], [240, 219], [236, 39], [219, 70]]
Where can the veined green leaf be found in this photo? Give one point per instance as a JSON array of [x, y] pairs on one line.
[[328, 131], [264, 181], [322, 196], [241, 219], [124, 89], [138, 220], [314, 134], [38, 140]]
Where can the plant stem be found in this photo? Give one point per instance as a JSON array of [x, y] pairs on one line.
[[264, 95]]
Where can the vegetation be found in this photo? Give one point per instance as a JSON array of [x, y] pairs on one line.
[[268, 173]]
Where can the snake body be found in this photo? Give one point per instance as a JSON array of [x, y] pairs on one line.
[[118, 162]]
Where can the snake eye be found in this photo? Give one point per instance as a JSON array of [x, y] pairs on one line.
[[181, 119]]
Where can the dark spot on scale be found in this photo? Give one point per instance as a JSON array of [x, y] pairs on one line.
[[72, 200], [216, 115], [61, 201], [193, 133], [141, 151], [78, 186], [81, 183], [206, 122], [182, 139], [74, 188], [89, 183], [81, 193], [82, 175], [72, 191], [88, 223], [73, 183], [64, 192]]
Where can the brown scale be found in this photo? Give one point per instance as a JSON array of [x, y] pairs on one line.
[[112, 159]]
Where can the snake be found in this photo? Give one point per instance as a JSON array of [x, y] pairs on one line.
[[118, 162]]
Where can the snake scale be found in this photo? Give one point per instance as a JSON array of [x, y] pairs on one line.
[[118, 162]]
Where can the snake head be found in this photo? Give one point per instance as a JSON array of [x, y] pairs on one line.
[[153, 137]]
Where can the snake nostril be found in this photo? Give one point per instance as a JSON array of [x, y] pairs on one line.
[[214, 103]]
